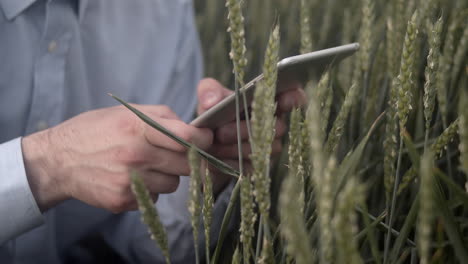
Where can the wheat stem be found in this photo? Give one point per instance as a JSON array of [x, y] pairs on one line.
[[426, 215], [393, 202]]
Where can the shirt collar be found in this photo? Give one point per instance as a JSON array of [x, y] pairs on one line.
[[12, 8]]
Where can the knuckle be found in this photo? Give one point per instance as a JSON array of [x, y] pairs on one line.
[[129, 155], [129, 125]]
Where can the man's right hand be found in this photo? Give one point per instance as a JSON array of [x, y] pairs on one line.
[[90, 156]]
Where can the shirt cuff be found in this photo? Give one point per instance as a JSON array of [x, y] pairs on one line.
[[19, 212]]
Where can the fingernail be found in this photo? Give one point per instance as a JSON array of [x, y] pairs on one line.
[[209, 99]]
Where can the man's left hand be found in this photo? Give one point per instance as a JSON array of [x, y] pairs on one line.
[[210, 92]]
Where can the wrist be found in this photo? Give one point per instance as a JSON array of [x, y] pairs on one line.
[[39, 163]]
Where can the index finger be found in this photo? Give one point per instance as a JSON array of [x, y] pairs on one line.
[[201, 137]]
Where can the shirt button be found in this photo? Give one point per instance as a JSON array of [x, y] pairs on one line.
[[41, 125], [52, 46]]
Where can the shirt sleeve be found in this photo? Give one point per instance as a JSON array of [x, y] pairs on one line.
[[18, 208]]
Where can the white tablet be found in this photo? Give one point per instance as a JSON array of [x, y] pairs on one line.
[[295, 68]]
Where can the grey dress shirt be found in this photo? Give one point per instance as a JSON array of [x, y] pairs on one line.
[[60, 58]]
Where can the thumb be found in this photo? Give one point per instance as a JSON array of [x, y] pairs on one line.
[[210, 92]]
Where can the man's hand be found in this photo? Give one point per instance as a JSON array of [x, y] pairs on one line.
[[210, 92], [90, 157]]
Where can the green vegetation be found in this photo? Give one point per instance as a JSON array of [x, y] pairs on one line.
[[375, 167]]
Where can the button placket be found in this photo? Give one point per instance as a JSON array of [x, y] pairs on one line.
[[49, 71]]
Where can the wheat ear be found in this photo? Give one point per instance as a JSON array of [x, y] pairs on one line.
[[345, 222], [248, 217], [430, 73], [263, 125], [207, 211], [293, 228], [149, 215], [194, 205]]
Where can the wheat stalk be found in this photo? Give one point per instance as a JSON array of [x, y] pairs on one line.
[[390, 141], [430, 74], [338, 126], [445, 65], [316, 138], [239, 60], [437, 148], [460, 54], [267, 256], [463, 112], [306, 35], [366, 33], [237, 33], [347, 33], [207, 211], [404, 82], [263, 123], [324, 198], [296, 161], [325, 96], [426, 207], [149, 215], [405, 79], [345, 222], [293, 228], [248, 218], [195, 196]]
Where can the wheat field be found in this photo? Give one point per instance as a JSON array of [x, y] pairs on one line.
[[375, 167]]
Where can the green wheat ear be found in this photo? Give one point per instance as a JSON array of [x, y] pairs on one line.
[[446, 63], [207, 211], [293, 227], [195, 195], [368, 16], [345, 222], [431, 70], [436, 148], [338, 126], [267, 256], [248, 217], [296, 160], [263, 124], [236, 30], [405, 79], [149, 215], [324, 200], [306, 34]]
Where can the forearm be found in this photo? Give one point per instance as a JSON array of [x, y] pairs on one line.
[[38, 155]]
